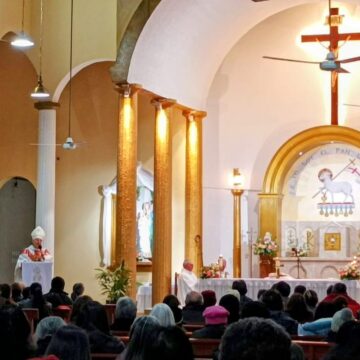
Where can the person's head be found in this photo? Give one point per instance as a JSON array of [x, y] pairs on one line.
[[48, 326], [172, 344], [57, 284], [272, 300], [216, 315], [37, 236], [340, 302], [300, 289], [329, 289], [188, 265], [349, 332], [5, 291], [194, 298], [324, 310], [339, 288], [26, 292], [311, 298], [283, 288], [209, 297], [240, 286], [35, 290], [340, 318], [69, 343], [255, 309], [260, 293], [163, 313], [143, 334], [92, 315], [171, 300], [255, 339], [297, 308], [78, 304], [232, 305], [16, 291], [125, 309], [78, 290]]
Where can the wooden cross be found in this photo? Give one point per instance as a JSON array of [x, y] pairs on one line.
[[334, 37]]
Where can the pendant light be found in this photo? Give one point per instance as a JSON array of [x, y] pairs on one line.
[[69, 142], [40, 91], [22, 40]]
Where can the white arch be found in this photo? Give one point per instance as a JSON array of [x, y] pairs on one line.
[[62, 84], [184, 43]]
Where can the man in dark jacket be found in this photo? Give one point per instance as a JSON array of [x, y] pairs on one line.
[[57, 296]]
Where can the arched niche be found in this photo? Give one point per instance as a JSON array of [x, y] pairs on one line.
[[17, 220], [270, 204]]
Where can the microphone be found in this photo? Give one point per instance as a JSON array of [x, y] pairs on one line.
[[41, 253]]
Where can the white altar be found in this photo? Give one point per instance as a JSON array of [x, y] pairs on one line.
[[220, 286]]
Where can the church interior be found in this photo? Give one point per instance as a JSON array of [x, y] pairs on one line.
[[163, 100]]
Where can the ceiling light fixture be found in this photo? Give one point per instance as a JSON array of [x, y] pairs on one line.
[[40, 91], [22, 40]]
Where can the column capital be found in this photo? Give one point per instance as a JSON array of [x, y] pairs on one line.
[[46, 105], [126, 89], [162, 103], [194, 114], [237, 192]]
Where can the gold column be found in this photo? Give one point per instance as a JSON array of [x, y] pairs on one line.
[[161, 266], [237, 191], [193, 189], [270, 216], [125, 247]]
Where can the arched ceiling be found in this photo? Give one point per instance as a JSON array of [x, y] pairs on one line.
[[184, 43]]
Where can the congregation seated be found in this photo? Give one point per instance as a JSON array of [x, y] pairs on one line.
[[92, 318], [340, 317], [163, 313], [241, 287], [193, 309], [255, 309], [78, 290], [37, 301], [125, 314], [15, 334], [77, 305], [45, 329], [255, 339], [339, 289], [173, 302], [284, 289], [311, 300], [57, 296], [209, 298], [16, 292], [216, 318], [143, 334], [232, 305], [274, 303], [5, 295], [69, 343], [300, 289], [297, 309]]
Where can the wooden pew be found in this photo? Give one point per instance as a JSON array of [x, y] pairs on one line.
[[33, 317], [314, 350], [62, 311], [192, 327], [204, 348]]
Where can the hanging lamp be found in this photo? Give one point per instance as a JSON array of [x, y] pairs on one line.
[[40, 91], [22, 40]]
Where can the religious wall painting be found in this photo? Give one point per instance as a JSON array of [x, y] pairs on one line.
[[322, 186]]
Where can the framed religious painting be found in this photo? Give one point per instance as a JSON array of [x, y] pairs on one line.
[[332, 241]]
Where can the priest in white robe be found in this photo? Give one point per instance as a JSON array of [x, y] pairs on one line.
[[187, 281], [34, 252]]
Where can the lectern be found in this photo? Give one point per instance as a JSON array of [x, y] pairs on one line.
[[40, 272]]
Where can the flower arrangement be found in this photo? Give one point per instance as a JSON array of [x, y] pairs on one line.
[[210, 271], [350, 271], [299, 251], [265, 246]]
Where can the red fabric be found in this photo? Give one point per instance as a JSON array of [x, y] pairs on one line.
[[49, 357], [353, 305]]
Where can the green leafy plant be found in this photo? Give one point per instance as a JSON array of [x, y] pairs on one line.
[[114, 283]]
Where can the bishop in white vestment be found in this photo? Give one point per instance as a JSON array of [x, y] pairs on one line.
[[187, 281]]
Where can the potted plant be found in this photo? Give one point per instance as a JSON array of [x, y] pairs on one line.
[[114, 283]]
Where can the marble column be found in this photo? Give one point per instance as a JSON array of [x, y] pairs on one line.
[[193, 189], [125, 243], [161, 266], [45, 192]]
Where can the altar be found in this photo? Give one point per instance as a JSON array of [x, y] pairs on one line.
[[221, 286]]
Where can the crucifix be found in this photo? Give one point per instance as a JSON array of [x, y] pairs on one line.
[[333, 37]]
